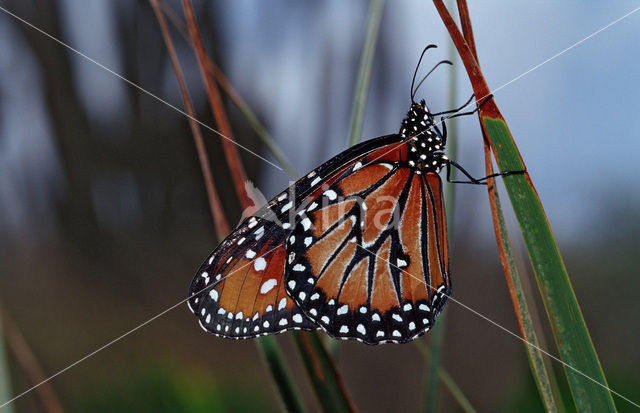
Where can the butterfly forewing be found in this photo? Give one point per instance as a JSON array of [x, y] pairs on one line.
[[368, 260], [238, 292]]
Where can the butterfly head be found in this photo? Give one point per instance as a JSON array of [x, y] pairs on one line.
[[425, 141]]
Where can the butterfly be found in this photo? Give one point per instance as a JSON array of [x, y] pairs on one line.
[[357, 247]]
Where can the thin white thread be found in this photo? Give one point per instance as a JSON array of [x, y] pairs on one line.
[[204, 289], [503, 328], [115, 340], [140, 88], [568, 48]]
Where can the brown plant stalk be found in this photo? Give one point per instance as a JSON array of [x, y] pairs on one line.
[[217, 107], [29, 363], [467, 30], [215, 205]]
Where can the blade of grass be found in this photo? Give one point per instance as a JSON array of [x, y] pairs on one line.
[[364, 72], [266, 345], [215, 205], [236, 168], [5, 377], [437, 334], [326, 382], [275, 362], [30, 365], [581, 365], [236, 99], [544, 381], [446, 379]]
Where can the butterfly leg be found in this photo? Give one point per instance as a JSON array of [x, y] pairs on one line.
[[471, 112], [472, 180], [458, 109]]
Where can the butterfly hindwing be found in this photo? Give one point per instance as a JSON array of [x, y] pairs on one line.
[[362, 260], [239, 291]]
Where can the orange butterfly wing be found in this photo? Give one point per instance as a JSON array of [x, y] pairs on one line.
[[369, 259], [238, 292]]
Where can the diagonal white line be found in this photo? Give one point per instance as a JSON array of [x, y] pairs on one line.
[[135, 85], [139, 326], [503, 328], [204, 289], [568, 48]]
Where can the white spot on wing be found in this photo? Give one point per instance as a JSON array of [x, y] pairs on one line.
[[343, 310], [283, 303], [214, 295], [260, 264], [268, 285], [424, 307], [331, 194]]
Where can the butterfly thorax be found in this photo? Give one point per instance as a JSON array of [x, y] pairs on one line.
[[426, 145]]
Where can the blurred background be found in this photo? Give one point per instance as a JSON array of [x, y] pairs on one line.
[[104, 216]]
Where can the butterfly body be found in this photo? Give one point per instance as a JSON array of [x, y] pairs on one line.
[[357, 247]]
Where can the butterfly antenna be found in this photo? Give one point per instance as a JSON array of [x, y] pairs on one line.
[[415, 73], [425, 76]]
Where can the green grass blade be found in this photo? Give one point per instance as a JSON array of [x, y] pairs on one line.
[[273, 358], [364, 72], [321, 369], [446, 379], [546, 387], [5, 377], [585, 376]]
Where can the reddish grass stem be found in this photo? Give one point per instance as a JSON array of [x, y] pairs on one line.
[[215, 205], [217, 107], [29, 363]]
